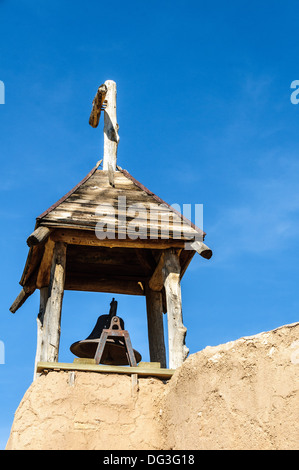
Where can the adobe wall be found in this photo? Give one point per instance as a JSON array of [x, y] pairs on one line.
[[239, 395]]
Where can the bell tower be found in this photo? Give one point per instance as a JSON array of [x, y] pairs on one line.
[[111, 234]]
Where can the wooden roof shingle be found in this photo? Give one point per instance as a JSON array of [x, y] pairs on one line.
[[81, 207]]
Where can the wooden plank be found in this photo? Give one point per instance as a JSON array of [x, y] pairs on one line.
[[126, 222], [100, 179], [88, 238], [133, 231], [100, 176], [140, 371], [80, 254], [100, 193], [137, 228], [150, 365], [146, 212], [89, 175], [111, 276], [105, 262], [158, 199], [105, 271], [91, 284], [88, 206]]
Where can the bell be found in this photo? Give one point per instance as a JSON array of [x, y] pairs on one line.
[[115, 352]]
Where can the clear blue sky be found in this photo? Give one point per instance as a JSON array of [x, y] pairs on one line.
[[205, 117]]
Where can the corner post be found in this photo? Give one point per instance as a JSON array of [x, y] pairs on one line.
[[176, 330], [154, 310], [44, 292], [52, 315]]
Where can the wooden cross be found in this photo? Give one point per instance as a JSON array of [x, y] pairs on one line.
[[105, 100]]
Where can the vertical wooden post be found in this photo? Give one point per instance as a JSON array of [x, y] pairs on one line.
[[111, 137], [154, 310], [44, 292], [52, 316], [176, 330]]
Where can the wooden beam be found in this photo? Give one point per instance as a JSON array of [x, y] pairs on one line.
[[22, 297], [32, 263], [139, 370], [111, 137], [92, 284], [88, 238], [154, 310], [27, 290], [202, 249], [156, 282], [52, 316], [43, 276], [176, 330], [39, 235], [186, 257]]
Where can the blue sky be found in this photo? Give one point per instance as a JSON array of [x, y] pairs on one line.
[[205, 118]]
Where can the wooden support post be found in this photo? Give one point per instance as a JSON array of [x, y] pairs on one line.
[[111, 137], [44, 292], [52, 316], [154, 310], [176, 330]]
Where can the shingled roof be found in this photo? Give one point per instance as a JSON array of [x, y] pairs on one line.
[[120, 196], [90, 260]]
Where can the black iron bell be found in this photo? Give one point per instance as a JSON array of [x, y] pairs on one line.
[[115, 351]]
